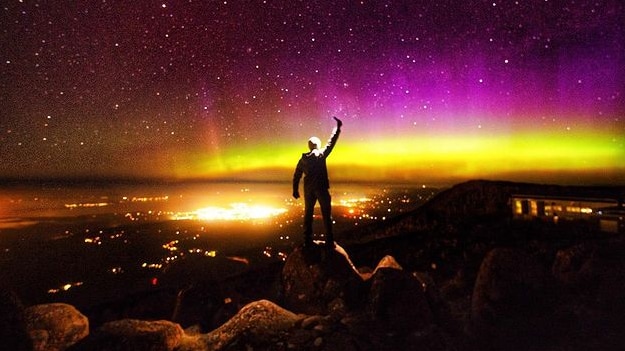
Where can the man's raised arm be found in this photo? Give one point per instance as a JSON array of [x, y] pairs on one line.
[[334, 137]]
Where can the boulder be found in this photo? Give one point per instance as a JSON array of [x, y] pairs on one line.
[[608, 271], [257, 323], [510, 297], [397, 300], [313, 278], [13, 332], [592, 277], [572, 266], [55, 326], [133, 335], [432, 338], [439, 306], [388, 262]]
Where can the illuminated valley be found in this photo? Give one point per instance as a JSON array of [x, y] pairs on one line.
[[119, 244]]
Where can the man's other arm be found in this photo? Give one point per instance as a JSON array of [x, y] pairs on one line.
[[297, 175]]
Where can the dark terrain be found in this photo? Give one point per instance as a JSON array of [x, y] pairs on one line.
[[456, 274]]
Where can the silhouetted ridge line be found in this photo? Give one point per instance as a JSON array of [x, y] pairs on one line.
[[474, 199]]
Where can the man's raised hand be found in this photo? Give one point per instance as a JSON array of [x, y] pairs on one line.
[[339, 123]]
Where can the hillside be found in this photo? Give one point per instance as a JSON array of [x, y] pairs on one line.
[[473, 201], [456, 274]]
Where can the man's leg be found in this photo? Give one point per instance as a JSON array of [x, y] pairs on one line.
[[310, 199], [325, 202]]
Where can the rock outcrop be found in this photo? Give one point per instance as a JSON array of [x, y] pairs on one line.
[[258, 323], [398, 300], [385, 309], [572, 266], [133, 335], [315, 279], [13, 332], [510, 297], [591, 278], [504, 285], [55, 326], [512, 305]]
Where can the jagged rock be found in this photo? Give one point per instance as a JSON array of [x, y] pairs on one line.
[[39, 339], [257, 323], [312, 278], [596, 272], [300, 337], [388, 262], [438, 305], [318, 341], [572, 266], [590, 308], [55, 326], [13, 332], [432, 338], [608, 265], [133, 335], [338, 307], [510, 297], [312, 321], [397, 300]]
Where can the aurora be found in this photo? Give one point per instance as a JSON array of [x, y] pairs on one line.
[[226, 90]]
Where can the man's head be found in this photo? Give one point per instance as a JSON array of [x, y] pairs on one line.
[[314, 143]]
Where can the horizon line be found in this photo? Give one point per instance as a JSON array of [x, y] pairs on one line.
[[431, 182]]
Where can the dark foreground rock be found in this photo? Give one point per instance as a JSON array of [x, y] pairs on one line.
[[397, 299], [505, 285], [520, 301], [56, 326], [133, 335], [590, 279], [259, 324], [511, 297], [387, 309], [316, 280], [13, 332]]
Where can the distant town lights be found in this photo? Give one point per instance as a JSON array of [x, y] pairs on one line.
[[64, 287], [236, 211]]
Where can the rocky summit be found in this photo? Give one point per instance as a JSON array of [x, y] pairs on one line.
[[457, 274], [329, 305]]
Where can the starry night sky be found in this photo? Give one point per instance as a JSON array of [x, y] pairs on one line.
[[233, 89]]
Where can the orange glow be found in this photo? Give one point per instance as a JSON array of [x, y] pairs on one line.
[[239, 211], [236, 211], [86, 205], [354, 202]]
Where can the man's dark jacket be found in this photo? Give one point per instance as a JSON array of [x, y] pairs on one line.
[[313, 166]]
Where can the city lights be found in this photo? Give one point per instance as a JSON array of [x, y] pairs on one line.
[[236, 211], [64, 287], [142, 236]]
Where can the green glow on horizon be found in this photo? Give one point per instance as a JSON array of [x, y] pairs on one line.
[[450, 156], [521, 152]]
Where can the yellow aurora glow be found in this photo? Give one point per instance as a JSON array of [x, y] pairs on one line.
[[406, 158]]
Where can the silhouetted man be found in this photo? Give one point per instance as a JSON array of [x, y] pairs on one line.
[[316, 184]]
